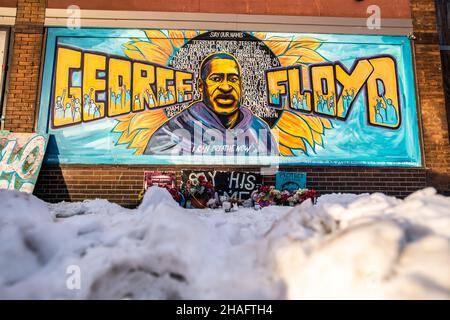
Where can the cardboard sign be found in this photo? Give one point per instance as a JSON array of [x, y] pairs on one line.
[[160, 179], [236, 185], [21, 156], [290, 180]]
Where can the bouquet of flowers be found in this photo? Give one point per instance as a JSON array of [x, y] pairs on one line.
[[301, 195], [268, 195], [263, 196], [198, 190], [281, 197], [174, 192]]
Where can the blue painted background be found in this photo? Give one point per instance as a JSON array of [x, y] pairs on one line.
[[352, 142]]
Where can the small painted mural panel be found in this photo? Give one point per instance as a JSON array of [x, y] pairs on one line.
[[221, 97], [21, 156], [290, 180]]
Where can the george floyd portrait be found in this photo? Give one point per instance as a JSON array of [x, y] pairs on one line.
[[216, 124], [173, 93]]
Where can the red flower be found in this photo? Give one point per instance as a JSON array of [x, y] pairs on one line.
[[309, 194], [174, 192], [264, 203], [284, 198]]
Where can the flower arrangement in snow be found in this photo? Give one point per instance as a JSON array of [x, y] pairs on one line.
[[175, 193], [301, 195], [268, 195], [198, 189]]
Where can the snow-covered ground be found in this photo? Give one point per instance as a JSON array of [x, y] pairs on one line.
[[346, 246]]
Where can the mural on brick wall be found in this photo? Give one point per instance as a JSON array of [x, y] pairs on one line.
[[3, 55], [185, 96], [21, 156]]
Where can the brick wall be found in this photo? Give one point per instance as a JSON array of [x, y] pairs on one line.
[[335, 8], [431, 94], [122, 183], [21, 100]]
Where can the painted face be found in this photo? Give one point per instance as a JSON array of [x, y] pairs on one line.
[[222, 86]]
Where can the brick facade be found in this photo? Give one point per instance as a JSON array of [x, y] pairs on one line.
[[21, 100], [332, 8], [122, 183], [431, 95]]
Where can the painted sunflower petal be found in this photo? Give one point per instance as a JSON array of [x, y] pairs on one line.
[[137, 129], [189, 34], [284, 151], [153, 53], [296, 51], [291, 141], [148, 119], [326, 123], [123, 125], [141, 140], [177, 38], [318, 138], [159, 38], [278, 45], [260, 35], [294, 125], [129, 45], [286, 60], [309, 56], [134, 54], [306, 42], [314, 123], [126, 138]]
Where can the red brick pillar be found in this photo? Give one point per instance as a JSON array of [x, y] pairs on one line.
[[21, 101], [431, 94]]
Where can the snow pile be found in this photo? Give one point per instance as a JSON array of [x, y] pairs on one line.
[[346, 246], [379, 247]]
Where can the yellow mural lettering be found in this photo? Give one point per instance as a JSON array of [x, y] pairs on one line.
[[80, 93], [332, 80], [143, 80], [94, 86], [67, 91], [166, 86], [89, 86], [382, 93], [324, 89], [352, 83], [277, 87], [299, 98], [119, 82], [184, 86]]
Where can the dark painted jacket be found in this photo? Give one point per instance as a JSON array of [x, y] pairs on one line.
[[198, 129]]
